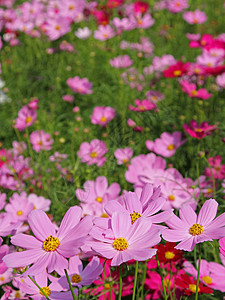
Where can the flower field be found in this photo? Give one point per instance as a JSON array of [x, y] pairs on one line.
[[112, 154]]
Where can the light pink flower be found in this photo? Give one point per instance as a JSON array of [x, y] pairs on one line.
[[125, 241], [123, 155], [83, 33], [195, 17], [41, 140], [191, 90], [142, 105], [39, 202], [18, 147], [68, 98], [191, 229], [48, 248], [211, 274], [93, 153], [26, 118], [57, 27], [66, 46], [80, 85], [167, 144], [220, 80], [216, 169], [176, 6], [102, 115], [193, 36], [122, 61], [2, 200], [104, 33], [96, 194]]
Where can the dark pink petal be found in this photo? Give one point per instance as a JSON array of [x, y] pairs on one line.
[[207, 212], [26, 241], [40, 224], [70, 220]]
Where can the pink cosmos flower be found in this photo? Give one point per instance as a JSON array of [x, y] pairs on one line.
[[57, 27], [142, 105], [125, 241], [167, 144], [39, 202], [19, 207], [122, 61], [102, 115], [33, 104], [68, 98], [215, 170], [193, 36], [93, 153], [191, 229], [195, 17], [65, 46], [154, 96], [41, 140], [220, 80], [96, 194], [142, 21], [222, 246], [123, 155], [191, 90], [2, 200], [104, 33], [211, 274], [149, 203], [80, 85], [48, 248], [132, 124], [26, 118], [199, 131], [176, 6], [159, 64], [80, 276], [18, 147]]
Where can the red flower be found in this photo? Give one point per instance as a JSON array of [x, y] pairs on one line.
[[176, 70], [167, 253], [199, 131], [188, 284], [140, 7]]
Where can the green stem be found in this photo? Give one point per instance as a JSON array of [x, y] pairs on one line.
[[41, 290], [70, 285], [199, 264], [160, 271], [121, 283], [135, 280], [143, 280]]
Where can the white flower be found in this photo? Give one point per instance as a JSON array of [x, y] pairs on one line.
[[83, 33]]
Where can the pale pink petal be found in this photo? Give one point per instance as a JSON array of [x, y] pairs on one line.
[[26, 241], [187, 244], [121, 223], [75, 265], [40, 224], [40, 265], [22, 259], [207, 212], [132, 203], [114, 206], [70, 220], [101, 185], [146, 193], [103, 249], [175, 235], [188, 215], [142, 255], [161, 217]]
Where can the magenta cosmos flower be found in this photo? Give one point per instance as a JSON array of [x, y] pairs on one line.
[[167, 144], [102, 115], [41, 140], [191, 229], [195, 17], [26, 118], [48, 248], [80, 85], [93, 153], [124, 241], [199, 131], [191, 90], [142, 105]]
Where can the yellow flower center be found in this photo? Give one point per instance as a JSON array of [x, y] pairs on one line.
[[196, 21], [140, 22], [93, 154], [196, 229], [99, 199], [51, 243], [209, 191], [194, 93], [171, 147], [177, 73], [105, 35], [197, 70], [19, 213], [134, 216], [124, 160], [40, 143], [178, 4], [169, 255], [76, 278], [103, 119], [71, 7], [120, 244], [192, 288], [107, 286], [131, 77], [104, 215], [17, 295], [207, 279], [142, 107], [46, 290], [167, 282], [57, 27], [2, 278], [198, 130], [28, 119], [171, 197]]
